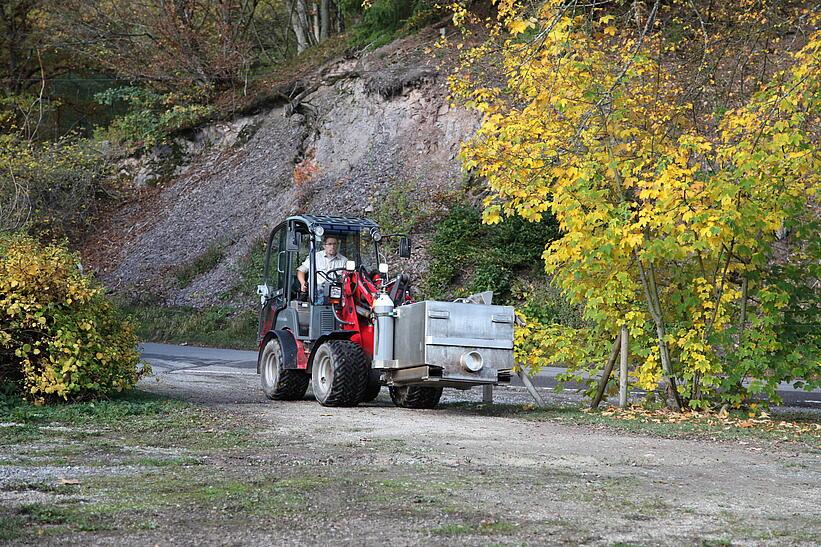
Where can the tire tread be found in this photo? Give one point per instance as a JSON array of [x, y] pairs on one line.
[[420, 397], [350, 373]]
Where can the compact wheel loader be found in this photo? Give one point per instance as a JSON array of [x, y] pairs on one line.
[[357, 328]]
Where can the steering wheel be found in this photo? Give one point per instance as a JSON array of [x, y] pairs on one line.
[[327, 275]]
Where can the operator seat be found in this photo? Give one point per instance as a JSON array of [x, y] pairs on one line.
[[400, 289]]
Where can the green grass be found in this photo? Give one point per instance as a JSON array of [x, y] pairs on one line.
[[105, 412], [250, 272], [11, 527], [129, 499], [202, 264], [490, 527], [217, 326], [174, 461], [138, 418], [133, 499], [53, 518]]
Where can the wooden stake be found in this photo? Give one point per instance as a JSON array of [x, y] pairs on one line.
[[625, 347], [608, 369], [531, 389]]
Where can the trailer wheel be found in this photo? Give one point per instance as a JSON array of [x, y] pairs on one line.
[[339, 373], [279, 383], [415, 396], [374, 386]]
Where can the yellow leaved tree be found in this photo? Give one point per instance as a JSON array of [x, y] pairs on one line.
[[673, 216]]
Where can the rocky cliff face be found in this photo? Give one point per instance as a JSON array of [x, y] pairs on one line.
[[372, 125]]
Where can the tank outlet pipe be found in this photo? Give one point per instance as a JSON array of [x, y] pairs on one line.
[[383, 334]]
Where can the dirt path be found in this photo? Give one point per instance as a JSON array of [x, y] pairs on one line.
[[454, 475]]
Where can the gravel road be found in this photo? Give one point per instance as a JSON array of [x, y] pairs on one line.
[[509, 480]]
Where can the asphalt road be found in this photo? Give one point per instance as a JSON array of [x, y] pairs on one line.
[[168, 358]]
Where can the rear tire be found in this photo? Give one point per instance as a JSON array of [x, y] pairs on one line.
[[339, 373], [415, 396], [280, 383], [373, 388]]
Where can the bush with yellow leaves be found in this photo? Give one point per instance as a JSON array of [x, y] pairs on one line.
[[60, 337]]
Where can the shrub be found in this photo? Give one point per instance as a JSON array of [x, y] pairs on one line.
[[50, 188], [150, 116], [383, 20], [468, 256], [60, 337]]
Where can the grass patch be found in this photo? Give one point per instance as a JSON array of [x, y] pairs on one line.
[[11, 527], [452, 529], [250, 271], [202, 494], [139, 418], [17, 434], [52, 518], [102, 413], [185, 274], [218, 326], [164, 462], [485, 527]]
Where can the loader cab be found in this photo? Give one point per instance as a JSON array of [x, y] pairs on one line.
[[296, 242]]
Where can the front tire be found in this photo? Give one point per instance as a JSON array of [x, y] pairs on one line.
[[339, 373], [280, 383], [415, 396]]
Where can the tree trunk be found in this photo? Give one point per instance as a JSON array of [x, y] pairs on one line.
[[651, 293], [324, 19], [608, 369], [315, 19], [299, 22], [340, 21], [742, 324]]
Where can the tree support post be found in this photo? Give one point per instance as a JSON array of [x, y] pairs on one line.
[[530, 388], [625, 346], [487, 394]]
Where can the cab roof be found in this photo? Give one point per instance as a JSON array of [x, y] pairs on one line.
[[336, 224]]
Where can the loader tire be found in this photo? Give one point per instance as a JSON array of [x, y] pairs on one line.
[[373, 388], [415, 396], [280, 383], [339, 373]]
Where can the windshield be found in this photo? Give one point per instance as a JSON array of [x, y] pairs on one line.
[[357, 246]]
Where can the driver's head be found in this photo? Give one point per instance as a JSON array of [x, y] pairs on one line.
[[331, 245]]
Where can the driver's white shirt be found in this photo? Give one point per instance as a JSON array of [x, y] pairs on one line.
[[324, 263]]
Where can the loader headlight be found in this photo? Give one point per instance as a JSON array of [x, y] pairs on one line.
[[472, 361], [318, 230], [336, 292]]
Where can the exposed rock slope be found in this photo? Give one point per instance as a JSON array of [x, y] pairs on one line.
[[384, 120]]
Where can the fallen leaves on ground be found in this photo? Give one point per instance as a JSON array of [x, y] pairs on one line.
[[723, 419]]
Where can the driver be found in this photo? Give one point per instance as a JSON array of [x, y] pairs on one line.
[[326, 260]]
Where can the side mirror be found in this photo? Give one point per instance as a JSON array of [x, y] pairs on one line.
[[263, 291], [404, 247]]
